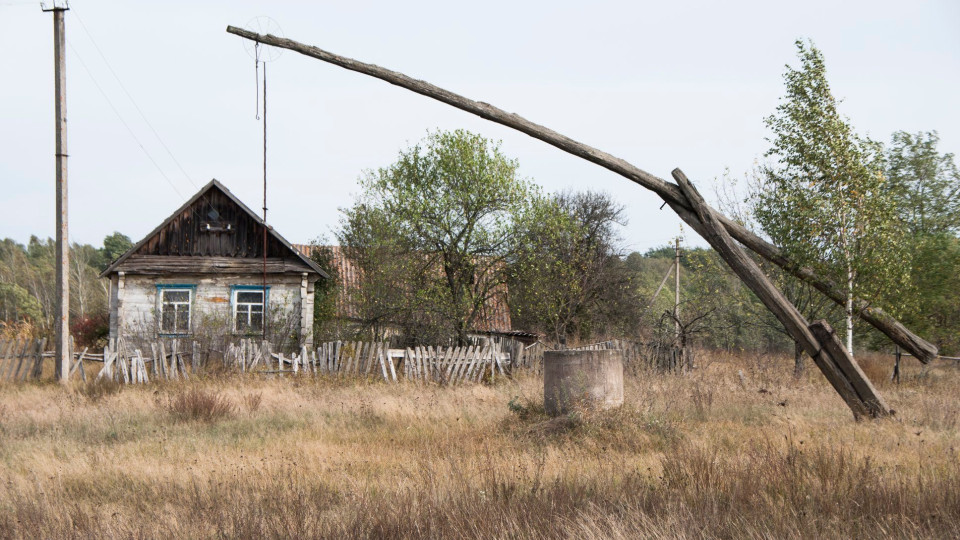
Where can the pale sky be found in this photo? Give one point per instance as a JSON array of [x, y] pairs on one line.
[[662, 85]]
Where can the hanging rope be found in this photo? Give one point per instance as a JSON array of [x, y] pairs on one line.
[[256, 72]]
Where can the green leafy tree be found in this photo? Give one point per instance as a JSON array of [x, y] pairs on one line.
[[567, 279], [926, 183], [114, 245], [825, 198], [434, 231], [326, 292]]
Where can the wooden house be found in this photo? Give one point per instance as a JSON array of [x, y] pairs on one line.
[[212, 266]]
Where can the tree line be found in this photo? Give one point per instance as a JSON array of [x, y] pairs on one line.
[[27, 287]]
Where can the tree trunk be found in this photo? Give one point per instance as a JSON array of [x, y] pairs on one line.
[[849, 310], [798, 366]]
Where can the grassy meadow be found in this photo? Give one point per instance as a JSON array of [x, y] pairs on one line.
[[738, 448]]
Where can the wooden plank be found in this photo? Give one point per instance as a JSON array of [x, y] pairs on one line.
[[14, 373], [79, 362], [174, 345], [421, 353], [453, 357], [155, 365], [5, 347], [107, 368], [142, 368], [389, 360], [183, 367], [471, 364], [430, 358], [381, 356], [37, 370], [195, 357], [865, 390], [5, 371], [164, 372], [371, 357], [465, 368], [122, 363]]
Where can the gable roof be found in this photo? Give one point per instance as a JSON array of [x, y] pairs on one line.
[[188, 244]]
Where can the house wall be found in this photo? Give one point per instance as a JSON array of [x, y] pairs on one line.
[[134, 303]]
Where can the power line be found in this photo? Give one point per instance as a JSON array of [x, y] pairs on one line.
[[133, 101], [122, 121]]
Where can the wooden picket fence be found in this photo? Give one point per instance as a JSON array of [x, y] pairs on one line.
[[21, 359], [454, 365], [638, 355]]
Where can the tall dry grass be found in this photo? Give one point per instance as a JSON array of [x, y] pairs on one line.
[[738, 448]]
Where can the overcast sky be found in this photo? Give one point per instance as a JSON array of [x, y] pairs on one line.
[[662, 85]]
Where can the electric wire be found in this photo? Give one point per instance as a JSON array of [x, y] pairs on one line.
[[143, 116], [133, 101], [122, 121]]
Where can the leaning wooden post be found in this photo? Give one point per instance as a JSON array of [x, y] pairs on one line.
[[896, 331], [818, 339]]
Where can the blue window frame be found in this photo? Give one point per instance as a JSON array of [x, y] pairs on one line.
[[249, 305]]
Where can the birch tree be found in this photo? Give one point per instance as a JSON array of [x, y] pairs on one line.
[[824, 197]]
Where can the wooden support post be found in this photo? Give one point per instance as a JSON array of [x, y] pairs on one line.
[[818, 339], [896, 331]]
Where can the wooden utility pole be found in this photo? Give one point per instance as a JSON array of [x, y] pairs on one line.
[[676, 296], [62, 323]]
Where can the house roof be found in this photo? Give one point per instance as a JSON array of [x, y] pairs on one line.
[[493, 318], [178, 236]]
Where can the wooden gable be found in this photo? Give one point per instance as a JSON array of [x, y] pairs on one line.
[[212, 232]]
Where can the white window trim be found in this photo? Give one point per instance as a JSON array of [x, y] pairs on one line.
[[189, 304], [235, 303]]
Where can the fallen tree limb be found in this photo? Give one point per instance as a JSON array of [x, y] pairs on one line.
[[896, 331]]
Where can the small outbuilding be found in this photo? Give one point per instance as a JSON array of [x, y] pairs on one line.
[[215, 267]]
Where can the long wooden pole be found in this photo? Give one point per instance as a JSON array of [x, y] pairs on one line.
[[62, 310], [896, 331]]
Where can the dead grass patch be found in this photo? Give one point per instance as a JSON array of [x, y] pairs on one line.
[[704, 455], [197, 404]]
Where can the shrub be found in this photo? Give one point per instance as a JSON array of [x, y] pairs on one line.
[[91, 331], [201, 405], [253, 401], [98, 389]]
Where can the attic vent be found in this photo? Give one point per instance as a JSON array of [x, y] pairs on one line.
[[213, 214]]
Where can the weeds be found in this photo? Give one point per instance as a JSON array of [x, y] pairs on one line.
[[201, 405], [100, 388], [253, 401]]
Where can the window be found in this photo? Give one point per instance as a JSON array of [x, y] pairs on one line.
[[248, 310], [175, 310]]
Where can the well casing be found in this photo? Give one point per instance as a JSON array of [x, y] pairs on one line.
[[582, 378]]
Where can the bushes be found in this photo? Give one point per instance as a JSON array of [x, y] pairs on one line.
[[91, 331]]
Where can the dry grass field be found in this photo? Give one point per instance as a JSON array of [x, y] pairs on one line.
[[736, 449]]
